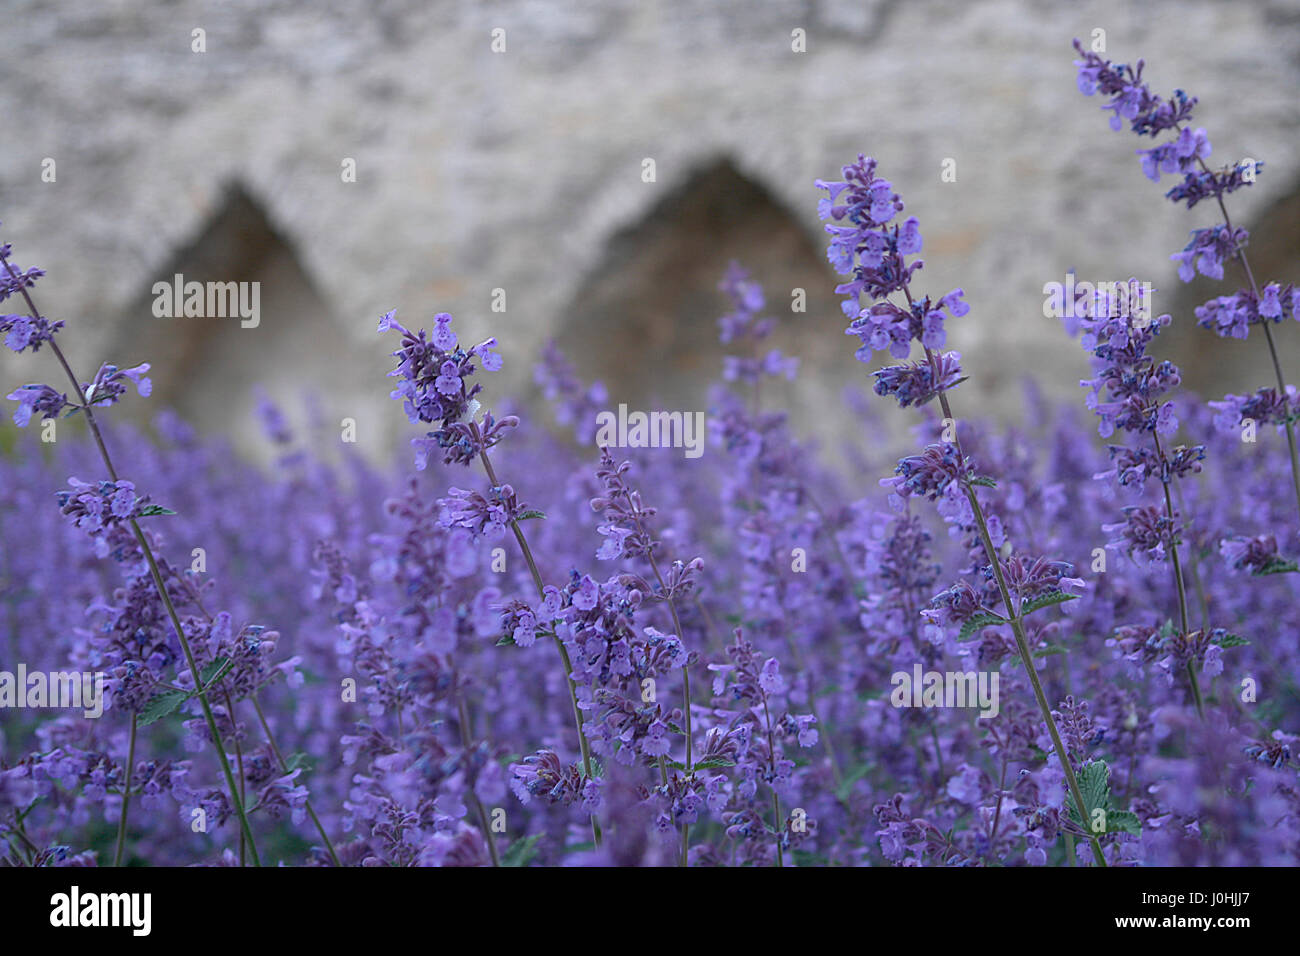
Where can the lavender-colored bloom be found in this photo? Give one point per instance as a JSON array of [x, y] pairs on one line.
[[1256, 554], [1178, 156], [1131, 99], [1264, 406], [920, 382], [1231, 316], [930, 473], [110, 384], [1214, 184], [1146, 534], [34, 399], [432, 385], [1207, 250], [22, 331]]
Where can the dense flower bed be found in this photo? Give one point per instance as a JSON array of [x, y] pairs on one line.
[[530, 649]]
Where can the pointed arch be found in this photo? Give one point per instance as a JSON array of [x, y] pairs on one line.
[[207, 368], [644, 320]]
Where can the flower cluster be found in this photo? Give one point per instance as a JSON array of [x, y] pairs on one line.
[[432, 372], [424, 678], [1206, 250], [1231, 316], [872, 253], [1130, 98]]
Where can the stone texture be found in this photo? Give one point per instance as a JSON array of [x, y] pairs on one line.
[[522, 171]]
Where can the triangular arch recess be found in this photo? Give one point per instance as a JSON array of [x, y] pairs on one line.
[[206, 368], [645, 320]]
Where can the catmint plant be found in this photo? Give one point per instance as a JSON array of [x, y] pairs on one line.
[[761, 654], [873, 254], [86, 504], [1231, 316]]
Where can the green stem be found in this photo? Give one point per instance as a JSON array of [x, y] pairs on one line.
[[126, 794], [559, 645], [1022, 645], [1178, 580], [1018, 628], [686, 683], [465, 739], [776, 800], [154, 572], [1268, 337], [239, 761], [284, 766]]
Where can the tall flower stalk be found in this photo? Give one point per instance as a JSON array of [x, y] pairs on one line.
[[626, 537], [1131, 100], [1127, 393], [105, 390], [864, 246], [432, 375]]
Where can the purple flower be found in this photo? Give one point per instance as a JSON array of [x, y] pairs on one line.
[[928, 474], [1257, 555], [1178, 156], [432, 385], [1131, 99], [1146, 534], [919, 382], [1265, 406], [32, 399], [1231, 316], [1199, 186], [588, 593], [110, 384], [1207, 250], [22, 331], [443, 337], [769, 678]]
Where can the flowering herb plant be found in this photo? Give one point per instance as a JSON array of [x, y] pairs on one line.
[[1014, 646]]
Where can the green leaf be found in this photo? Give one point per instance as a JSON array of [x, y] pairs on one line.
[[530, 513], [506, 640], [1050, 650], [807, 858], [984, 481], [1229, 640], [1278, 566], [978, 623], [522, 851], [1094, 782], [597, 768], [846, 786], [148, 511], [160, 705], [297, 761], [714, 763], [215, 671], [1046, 600], [1122, 821]]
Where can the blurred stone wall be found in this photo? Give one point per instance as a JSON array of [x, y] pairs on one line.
[[522, 170]]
